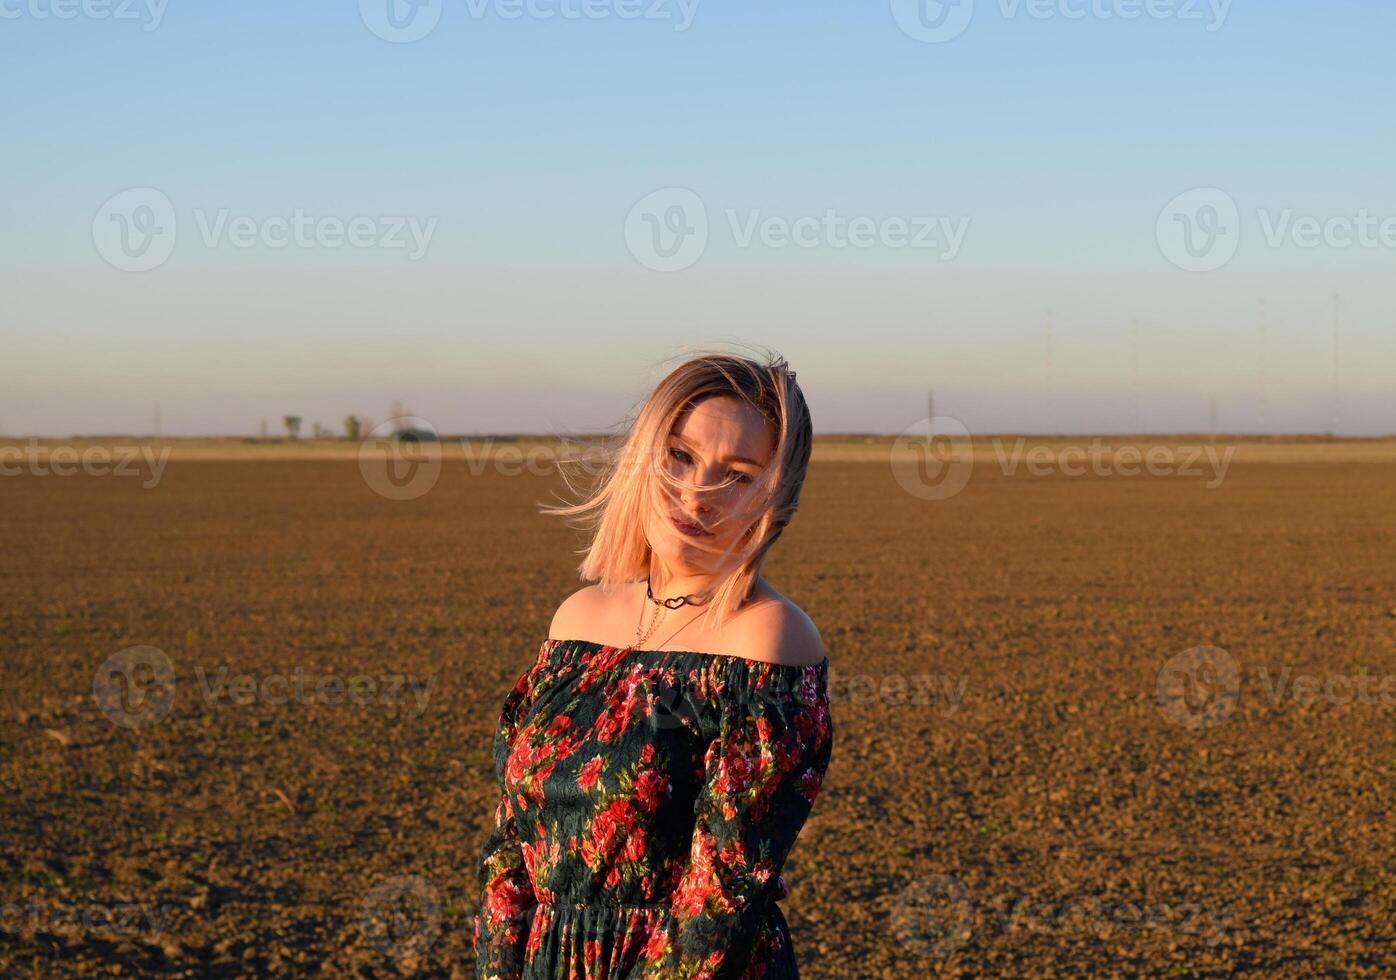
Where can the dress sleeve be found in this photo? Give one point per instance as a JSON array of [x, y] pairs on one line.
[[506, 891], [762, 772]]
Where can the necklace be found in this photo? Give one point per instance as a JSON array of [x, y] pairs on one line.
[[661, 605]]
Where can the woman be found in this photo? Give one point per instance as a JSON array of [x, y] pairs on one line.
[[649, 794]]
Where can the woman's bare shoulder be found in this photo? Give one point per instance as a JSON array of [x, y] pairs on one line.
[[775, 629], [584, 612]]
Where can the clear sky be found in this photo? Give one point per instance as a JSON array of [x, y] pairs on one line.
[[892, 196]]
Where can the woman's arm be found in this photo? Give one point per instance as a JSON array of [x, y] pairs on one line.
[[506, 892], [761, 775]]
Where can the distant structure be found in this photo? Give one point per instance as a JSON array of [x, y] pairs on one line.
[[1260, 361], [1047, 413], [1134, 375], [398, 413], [1335, 412]]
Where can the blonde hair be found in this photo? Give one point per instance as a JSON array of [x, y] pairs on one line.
[[613, 511]]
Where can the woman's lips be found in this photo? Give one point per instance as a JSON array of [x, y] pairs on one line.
[[692, 530]]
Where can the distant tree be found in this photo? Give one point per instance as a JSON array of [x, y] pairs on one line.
[[352, 428], [293, 425]]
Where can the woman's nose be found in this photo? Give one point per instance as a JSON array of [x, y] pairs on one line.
[[698, 500]]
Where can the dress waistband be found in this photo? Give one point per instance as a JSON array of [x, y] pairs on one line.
[[602, 906]]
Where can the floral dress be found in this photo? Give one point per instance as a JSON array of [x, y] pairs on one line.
[[648, 800]]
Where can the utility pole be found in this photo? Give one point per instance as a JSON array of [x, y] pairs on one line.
[[1047, 408], [1260, 362], [1134, 375], [1337, 395]]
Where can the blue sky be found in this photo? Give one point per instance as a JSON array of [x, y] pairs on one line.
[[1052, 142]]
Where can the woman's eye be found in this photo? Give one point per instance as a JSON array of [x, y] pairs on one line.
[[683, 457]]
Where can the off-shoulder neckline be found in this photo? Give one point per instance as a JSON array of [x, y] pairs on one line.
[[819, 665]]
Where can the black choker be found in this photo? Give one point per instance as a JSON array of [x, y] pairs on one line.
[[677, 601]]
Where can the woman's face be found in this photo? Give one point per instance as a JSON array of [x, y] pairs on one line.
[[722, 444]]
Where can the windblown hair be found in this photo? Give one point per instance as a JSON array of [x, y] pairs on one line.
[[632, 478]]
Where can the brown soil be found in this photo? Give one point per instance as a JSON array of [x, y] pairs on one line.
[[1051, 817]]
